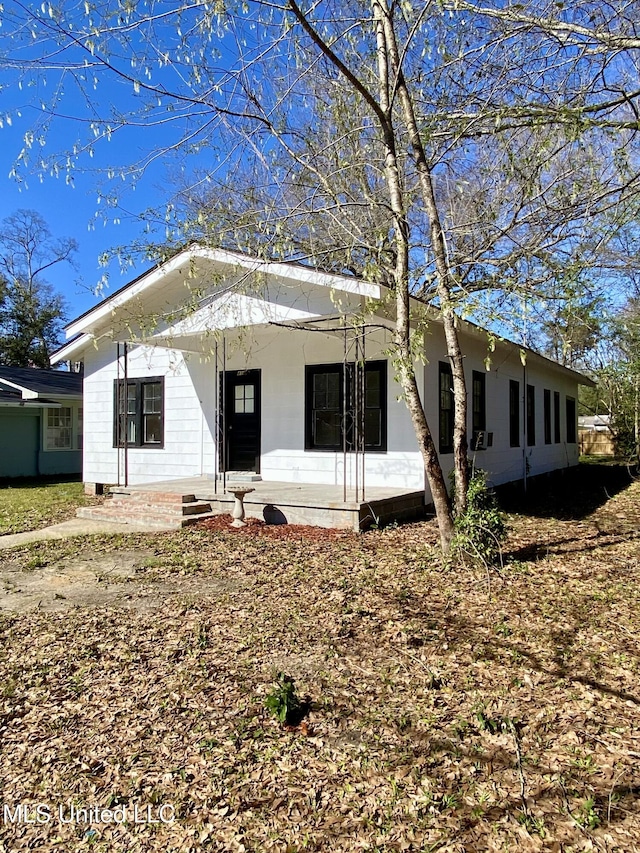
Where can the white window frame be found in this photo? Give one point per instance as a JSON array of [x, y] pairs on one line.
[[75, 428]]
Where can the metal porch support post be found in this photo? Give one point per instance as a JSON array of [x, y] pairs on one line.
[[344, 418], [118, 405], [216, 421], [364, 404], [126, 414], [357, 370], [525, 410], [224, 413]]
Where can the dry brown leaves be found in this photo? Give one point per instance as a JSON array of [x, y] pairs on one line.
[[256, 527], [447, 714]]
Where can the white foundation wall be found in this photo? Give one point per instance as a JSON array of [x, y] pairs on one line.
[[502, 462], [187, 449]]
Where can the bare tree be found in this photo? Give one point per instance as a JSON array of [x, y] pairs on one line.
[[438, 148], [31, 313]]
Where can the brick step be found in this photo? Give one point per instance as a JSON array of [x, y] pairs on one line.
[[151, 498], [177, 510], [161, 510], [105, 513], [150, 516]]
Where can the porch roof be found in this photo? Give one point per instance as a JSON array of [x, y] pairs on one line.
[[193, 332], [241, 291]]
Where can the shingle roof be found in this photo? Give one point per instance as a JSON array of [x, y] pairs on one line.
[[53, 383]]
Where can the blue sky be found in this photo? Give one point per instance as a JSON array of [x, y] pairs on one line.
[[74, 210], [65, 88]]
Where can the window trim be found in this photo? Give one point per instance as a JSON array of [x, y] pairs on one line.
[[80, 427], [311, 370], [571, 428], [556, 418], [346, 413], [547, 415], [446, 415], [139, 384], [72, 428], [76, 428], [479, 413], [531, 415], [514, 413]]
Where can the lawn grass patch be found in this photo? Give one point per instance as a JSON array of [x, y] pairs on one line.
[[31, 505]]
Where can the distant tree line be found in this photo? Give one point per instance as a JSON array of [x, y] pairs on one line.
[[31, 313]]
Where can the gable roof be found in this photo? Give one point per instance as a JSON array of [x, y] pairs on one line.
[[167, 281], [182, 262], [214, 311], [33, 383]]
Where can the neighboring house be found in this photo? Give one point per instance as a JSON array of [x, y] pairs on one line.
[[594, 423], [595, 436], [215, 362], [40, 422]]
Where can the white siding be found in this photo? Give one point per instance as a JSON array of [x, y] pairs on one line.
[[502, 462], [187, 438], [281, 355], [283, 360]]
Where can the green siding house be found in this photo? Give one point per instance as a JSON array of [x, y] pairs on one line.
[[40, 422]]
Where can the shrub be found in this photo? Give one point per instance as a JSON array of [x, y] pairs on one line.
[[284, 702], [480, 530]]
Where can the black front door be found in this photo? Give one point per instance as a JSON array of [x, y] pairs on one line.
[[241, 413]]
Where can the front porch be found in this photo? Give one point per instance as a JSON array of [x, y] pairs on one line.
[[176, 503]]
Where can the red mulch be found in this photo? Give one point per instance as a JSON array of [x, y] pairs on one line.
[[257, 527]]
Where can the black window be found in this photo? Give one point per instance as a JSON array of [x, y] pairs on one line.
[[547, 416], [531, 415], [514, 413], [571, 420], [374, 408], [556, 417], [325, 399], [445, 407], [330, 423], [139, 412], [478, 409]]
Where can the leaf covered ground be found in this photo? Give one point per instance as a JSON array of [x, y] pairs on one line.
[[450, 709]]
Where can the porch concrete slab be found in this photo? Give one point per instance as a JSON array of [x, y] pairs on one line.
[[299, 494], [303, 503]]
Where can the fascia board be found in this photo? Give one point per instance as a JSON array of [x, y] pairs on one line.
[[29, 404], [549, 363], [294, 272], [476, 331], [530, 355], [219, 257], [106, 308], [27, 394], [73, 347]]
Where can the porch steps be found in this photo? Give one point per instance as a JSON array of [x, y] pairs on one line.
[[162, 510]]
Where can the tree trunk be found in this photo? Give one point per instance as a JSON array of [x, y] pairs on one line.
[[432, 467], [383, 111], [443, 283], [402, 336], [636, 418]]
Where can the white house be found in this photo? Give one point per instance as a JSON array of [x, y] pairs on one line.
[[215, 362]]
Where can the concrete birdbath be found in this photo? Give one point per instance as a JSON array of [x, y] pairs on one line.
[[239, 493]]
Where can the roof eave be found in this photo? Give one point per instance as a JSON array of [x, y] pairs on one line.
[[74, 347], [148, 279]]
